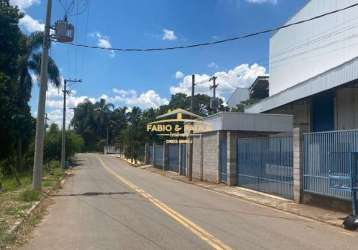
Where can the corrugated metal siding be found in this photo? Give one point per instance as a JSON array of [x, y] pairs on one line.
[[303, 51], [158, 156], [333, 78]]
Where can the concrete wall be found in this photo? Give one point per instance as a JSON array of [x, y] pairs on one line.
[[206, 157], [346, 108], [197, 156], [211, 157], [301, 112]]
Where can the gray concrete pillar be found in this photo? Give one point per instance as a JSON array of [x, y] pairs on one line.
[[201, 158], [297, 165], [231, 158], [217, 163]]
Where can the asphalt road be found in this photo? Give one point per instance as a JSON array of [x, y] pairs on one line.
[[110, 205]]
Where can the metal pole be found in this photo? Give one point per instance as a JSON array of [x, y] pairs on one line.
[[39, 139], [192, 92], [190, 165], [63, 148]]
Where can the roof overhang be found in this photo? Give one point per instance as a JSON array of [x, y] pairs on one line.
[[330, 79], [244, 122]]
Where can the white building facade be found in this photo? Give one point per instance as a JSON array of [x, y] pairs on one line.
[[314, 68]]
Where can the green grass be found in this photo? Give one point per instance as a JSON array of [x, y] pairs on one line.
[[30, 196], [10, 184]]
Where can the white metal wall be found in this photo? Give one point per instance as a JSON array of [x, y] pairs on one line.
[[306, 50]]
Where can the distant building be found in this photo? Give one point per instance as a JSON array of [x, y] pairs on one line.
[[258, 90], [240, 95], [314, 69]]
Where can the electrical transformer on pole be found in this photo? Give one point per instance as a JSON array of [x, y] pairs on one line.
[[40, 121]]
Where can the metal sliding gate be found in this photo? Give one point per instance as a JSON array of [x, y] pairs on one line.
[[266, 164], [183, 159], [158, 156], [173, 157], [327, 154]]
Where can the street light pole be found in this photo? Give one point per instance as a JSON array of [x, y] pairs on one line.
[[40, 122]]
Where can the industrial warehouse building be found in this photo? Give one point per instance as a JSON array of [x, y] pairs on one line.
[[297, 140]]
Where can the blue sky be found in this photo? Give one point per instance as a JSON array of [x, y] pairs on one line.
[[148, 79]]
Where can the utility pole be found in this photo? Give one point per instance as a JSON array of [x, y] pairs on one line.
[[40, 121], [192, 93], [63, 146], [213, 87], [191, 146]]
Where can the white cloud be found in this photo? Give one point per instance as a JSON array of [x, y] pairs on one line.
[[31, 25], [213, 65], [262, 1], [241, 76], [28, 23], [169, 35], [119, 97], [103, 42], [130, 98], [24, 4], [179, 75]]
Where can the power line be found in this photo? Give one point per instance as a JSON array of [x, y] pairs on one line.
[[219, 41]]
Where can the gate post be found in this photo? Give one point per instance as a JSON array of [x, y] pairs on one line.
[[231, 158], [297, 165], [201, 158]]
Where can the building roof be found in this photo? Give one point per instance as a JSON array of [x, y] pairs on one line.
[[330, 79], [179, 111], [244, 122]]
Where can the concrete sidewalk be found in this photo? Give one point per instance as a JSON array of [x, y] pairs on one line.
[[319, 214]]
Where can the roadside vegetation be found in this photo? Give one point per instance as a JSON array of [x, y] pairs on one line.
[[126, 128], [20, 60]]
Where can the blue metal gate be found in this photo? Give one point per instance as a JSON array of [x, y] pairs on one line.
[[223, 159], [182, 159], [158, 156], [173, 157], [266, 164], [327, 153], [150, 153]]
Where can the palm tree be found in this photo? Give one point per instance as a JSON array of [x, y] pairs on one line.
[[102, 116], [29, 65]]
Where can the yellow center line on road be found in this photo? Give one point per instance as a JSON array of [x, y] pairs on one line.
[[197, 230]]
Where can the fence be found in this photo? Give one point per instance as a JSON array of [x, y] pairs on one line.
[[173, 161], [183, 157], [326, 152], [266, 165], [158, 156]]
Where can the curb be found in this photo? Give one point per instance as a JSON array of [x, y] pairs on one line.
[[293, 212], [14, 228]]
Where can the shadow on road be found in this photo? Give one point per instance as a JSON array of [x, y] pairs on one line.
[[94, 194]]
